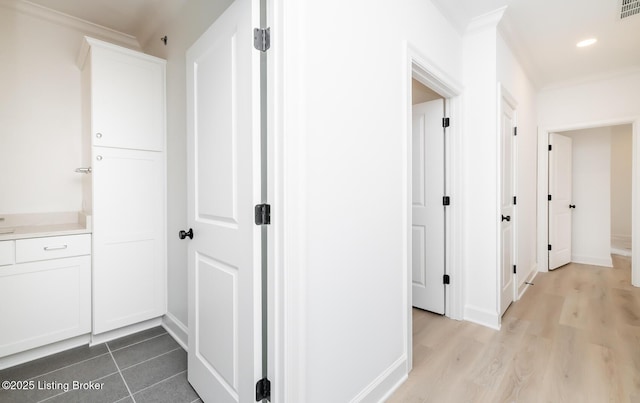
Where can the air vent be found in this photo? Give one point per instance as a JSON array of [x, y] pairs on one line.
[[629, 8]]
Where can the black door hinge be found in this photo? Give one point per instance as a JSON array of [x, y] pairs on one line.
[[548, 247], [550, 147], [515, 131], [262, 39], [263, 214], [446, 279], [263, 390], [549, 197], [514, 200], [446, 200], [514, 269], [445, 122]]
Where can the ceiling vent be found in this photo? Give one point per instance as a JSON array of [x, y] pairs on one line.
[[629, 8]]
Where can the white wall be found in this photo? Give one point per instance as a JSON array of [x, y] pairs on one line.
[[514, 78], [621, 166], [40, 109], [182, 30], [591, 179], [344, 163]]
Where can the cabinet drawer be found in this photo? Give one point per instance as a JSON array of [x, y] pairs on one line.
[[6, 253], [55, 247]]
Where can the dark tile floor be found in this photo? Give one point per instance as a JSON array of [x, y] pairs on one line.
[[144, 367]]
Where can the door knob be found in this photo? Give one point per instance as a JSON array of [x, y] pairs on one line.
[[572, 206], [506, 218], [183, 234]]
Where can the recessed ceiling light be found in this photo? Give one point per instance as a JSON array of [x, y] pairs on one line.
[[586, 42]]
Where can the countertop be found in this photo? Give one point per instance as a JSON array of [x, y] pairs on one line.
[[43, 225]]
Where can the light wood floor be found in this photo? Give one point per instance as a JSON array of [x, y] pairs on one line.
[[573, 337]]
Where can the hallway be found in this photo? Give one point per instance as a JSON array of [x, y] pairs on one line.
[[573, 337]]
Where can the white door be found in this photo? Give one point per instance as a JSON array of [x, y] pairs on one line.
[[428, 229], [223, 187], [507, 219], [560, 191]]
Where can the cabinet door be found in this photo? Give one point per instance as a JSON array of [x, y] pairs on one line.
[[44, 302], [127, 100], [128, 237]]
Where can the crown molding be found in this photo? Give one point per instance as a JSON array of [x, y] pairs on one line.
[[484, 21], [68, 21]]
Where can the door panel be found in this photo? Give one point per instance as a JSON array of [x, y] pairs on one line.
[[428, 230], [224, 184], [560, 189], [507, 242]]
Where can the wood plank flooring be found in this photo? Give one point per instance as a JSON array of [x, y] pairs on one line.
[[573, 337]]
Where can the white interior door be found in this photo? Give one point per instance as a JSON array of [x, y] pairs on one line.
[[224, 184], [507, 210], [560, 190], [428, 230]]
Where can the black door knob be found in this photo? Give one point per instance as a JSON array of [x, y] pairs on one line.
[[183, 234], [572, 206], [506, 218]]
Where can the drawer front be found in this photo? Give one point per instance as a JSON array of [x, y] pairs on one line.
[[7, 250], [55, 247]]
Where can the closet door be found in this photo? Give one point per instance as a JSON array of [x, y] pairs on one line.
[[127, 98], [128, 237]]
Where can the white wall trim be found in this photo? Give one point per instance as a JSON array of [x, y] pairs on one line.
[[543, 171], [383, 386], [69, 21], [176, 329], [593, 260], [488, 20], [46, 350], [482, 317]]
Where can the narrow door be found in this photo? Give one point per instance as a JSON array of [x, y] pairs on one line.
[[507, 219], [428, 229], [223, 186], [560, 195]]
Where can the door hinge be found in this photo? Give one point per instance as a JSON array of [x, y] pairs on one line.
[[445, 122], [514, 200], [549, 197], [446, 279], [446, 200], [515, 131], [550, 147], [548, 247], [263, 390], [263, 214], [262, 39], [514, 269]]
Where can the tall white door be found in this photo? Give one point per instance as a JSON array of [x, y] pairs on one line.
[[507, 210], [223, 187], [560, 192], [428, 229]]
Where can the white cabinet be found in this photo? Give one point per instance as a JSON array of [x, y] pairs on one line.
[[125, 94], [124, 110], [44, 300]]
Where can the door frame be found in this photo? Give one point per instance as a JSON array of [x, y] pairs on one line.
[[425, 71], [543, 183], [504, 94]]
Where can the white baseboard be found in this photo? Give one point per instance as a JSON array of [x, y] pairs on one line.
[[621, 252], [593, 261], [482, 317], [177, 330], [39, 352], [124, 331], [385, 384]]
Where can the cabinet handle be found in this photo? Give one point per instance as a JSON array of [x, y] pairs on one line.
[[59, 247]]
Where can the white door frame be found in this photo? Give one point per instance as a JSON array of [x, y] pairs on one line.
[[426, 72], [543, 183]]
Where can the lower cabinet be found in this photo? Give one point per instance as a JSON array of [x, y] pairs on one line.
[[44, 298]]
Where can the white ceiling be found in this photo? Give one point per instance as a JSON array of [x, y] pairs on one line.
[[544, 34]]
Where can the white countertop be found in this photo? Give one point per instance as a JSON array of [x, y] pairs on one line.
[[25, 226]]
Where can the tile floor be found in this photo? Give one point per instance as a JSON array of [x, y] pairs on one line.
[[148, 366]]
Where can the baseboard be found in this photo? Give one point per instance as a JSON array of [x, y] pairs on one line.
[[39, 352], [177, 330], [524, 286], [482, 317], [621, 252], [385, 384], [124, 331], [593, 261]]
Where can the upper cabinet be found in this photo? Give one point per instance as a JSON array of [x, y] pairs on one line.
[[125, 96]]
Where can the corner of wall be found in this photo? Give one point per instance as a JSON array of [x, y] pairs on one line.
[[177, 330]]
